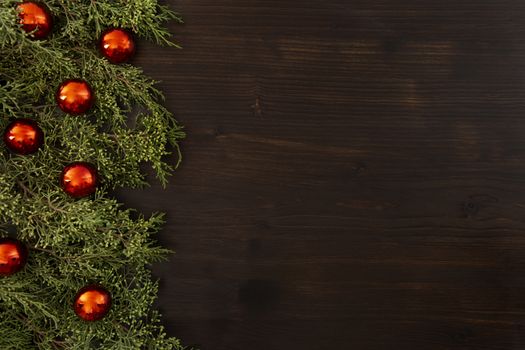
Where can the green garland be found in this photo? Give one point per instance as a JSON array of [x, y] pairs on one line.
[[71, 242]]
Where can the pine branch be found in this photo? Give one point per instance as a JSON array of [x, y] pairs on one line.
[[92, 240]]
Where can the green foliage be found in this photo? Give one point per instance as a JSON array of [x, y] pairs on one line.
[[92, 240]]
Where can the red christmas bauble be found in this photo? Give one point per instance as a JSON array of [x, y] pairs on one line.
[[13, 256], [79, 179], [117, 45], [23, 136], [74, 96], [35, 16], [92, 303]]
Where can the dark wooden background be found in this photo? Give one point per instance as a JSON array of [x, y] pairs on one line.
[[354, 175]]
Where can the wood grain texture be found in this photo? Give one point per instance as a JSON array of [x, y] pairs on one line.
[[354, 175]]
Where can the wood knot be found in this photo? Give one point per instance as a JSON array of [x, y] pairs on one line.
[[257, 108], [475, 203], [470, 208]]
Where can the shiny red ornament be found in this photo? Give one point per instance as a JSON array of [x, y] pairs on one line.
[[79, 179], [35, 16], [117, 45], [13, 256], [74, 96], [92, 303], [23, 136]]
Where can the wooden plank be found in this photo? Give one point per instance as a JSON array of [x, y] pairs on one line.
[[353, 176]]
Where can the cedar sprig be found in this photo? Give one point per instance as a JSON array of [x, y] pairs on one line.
[[91, 240]]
